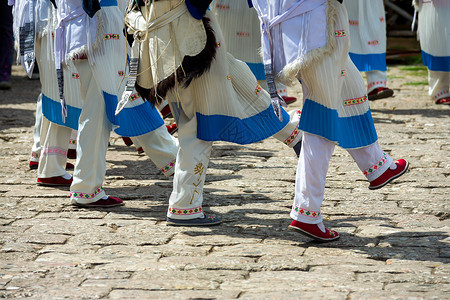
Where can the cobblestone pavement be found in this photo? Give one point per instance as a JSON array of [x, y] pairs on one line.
[[394, 243]]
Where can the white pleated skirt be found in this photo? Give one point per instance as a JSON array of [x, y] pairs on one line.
[[367, 29], [434, 34]]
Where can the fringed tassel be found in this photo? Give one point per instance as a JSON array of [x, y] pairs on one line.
[[289, 73], [60, 76], [191, 68]]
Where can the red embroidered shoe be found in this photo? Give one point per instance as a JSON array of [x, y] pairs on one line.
[[313, 231], [34, 165], [165, 112], [380, 93], [72, 154], [289, 100], [389, 175], [443, 101], [140, 150], [108, 202], [172, 128], [127, 141], [54, 181]]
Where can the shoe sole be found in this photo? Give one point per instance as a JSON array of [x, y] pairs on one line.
[[169, 223], [96, 206], [392, 178], [382, 95], [319, 239], [53, 184]]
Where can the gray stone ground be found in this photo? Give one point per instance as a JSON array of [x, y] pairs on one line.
[[394, 243]]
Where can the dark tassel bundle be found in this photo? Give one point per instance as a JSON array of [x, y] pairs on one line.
[[192, 67]]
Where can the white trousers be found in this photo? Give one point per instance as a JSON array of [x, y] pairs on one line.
[[36, 148], [375, 79], [93, 135], [161, 147], [193, 155], [312, 171], [439, 84], [54, 141], [73, 139]]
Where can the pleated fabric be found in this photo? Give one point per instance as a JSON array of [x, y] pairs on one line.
[[434, 34], [230, 104], [51, 106], [241, 30], [336, 105], [367, 34], [108, 56]]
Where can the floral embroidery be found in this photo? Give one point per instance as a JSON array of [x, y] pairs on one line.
[[112, 36], [86, 195], [241, 33], [373, 43], [221, 6], [376, 166], [186, 212], [343, 72], [54, 151], [340, 33], [168, 167], [72, 142], [35, 155], [75, 75], [281, 91], [353, 22], [355, 101], [374, 83], [441, 93], [198, 170], [121, 73], [134, 97], [294, 133], [381, 19], [305, 212], [229, 77], [218, 45], [258, 89]]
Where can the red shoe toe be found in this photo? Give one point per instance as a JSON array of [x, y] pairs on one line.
[[289, 100], [313, 231], [33, 165], [380, 93], [443, 101], [172, 128], [54, 181], [389, 175]]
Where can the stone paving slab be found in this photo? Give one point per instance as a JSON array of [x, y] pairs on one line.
[[395, 241]]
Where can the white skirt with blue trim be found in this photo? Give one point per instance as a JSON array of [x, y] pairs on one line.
[[367, 34], [434, 34]]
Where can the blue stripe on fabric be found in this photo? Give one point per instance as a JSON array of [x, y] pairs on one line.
[[348, 132], [132, 121], [369, 62], [51, 109], [105, 3], [436, 63], [241, 131], [257, 70]]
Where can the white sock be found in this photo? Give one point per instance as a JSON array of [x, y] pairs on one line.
[[67, 176], [321, 227], [105, 197], [393, 166]]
